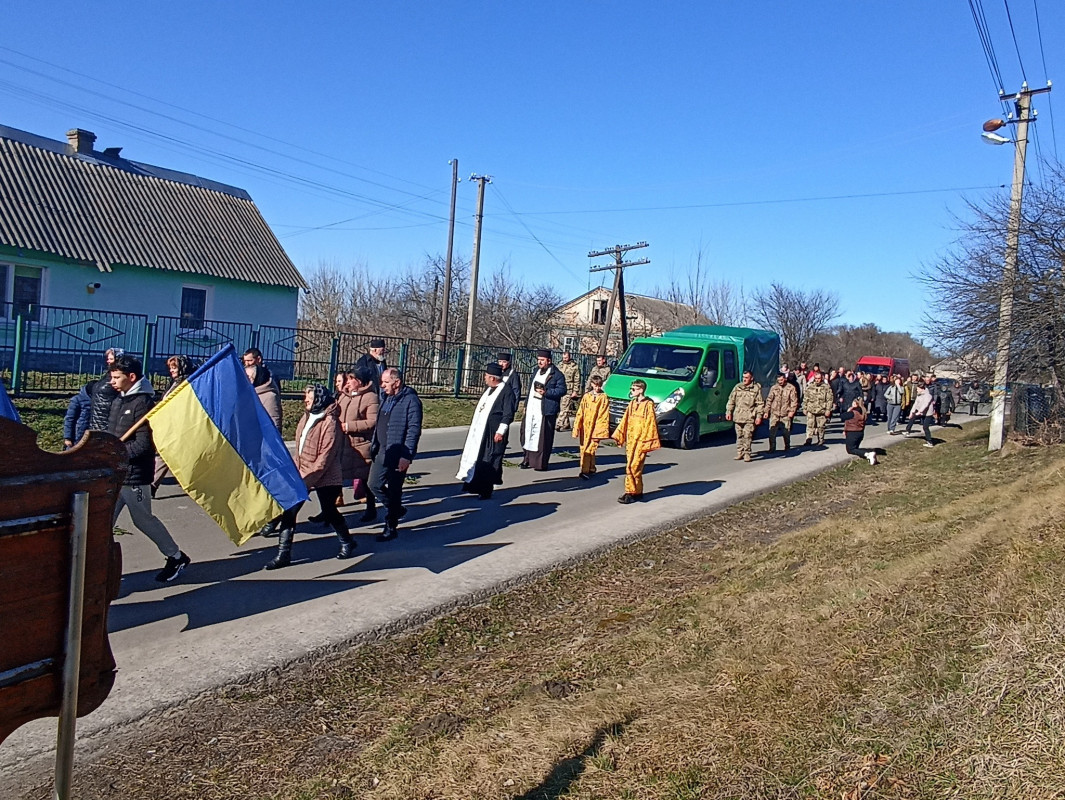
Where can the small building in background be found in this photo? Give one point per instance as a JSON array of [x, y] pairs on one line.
[[578, 325], [87, 229]]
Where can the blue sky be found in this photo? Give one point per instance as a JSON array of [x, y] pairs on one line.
[[821, 145]]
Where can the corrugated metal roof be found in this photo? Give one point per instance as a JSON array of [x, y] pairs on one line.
[[112, 212]]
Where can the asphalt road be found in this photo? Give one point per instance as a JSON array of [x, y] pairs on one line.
[[226, 619]]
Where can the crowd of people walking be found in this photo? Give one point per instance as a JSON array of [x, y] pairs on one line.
[[363, 433]]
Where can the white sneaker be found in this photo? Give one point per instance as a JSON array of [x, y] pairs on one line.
[[929, 444], [871, 457]]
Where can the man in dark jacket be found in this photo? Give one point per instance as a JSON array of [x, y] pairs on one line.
[[547, 387], [135, 398], [79, 411], [394, 445], [850, 390], [103, 393], [374, 362], [510, 376]]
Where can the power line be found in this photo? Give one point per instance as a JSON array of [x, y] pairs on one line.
[[1046, 76], [982, 30], [533, 235], [1016, 46]]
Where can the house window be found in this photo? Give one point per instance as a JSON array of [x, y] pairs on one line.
[[599, 312], [570, 343], [26, 292], [193, 307]]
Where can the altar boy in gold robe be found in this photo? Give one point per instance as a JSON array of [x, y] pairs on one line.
[[592, 424], [637, 431]]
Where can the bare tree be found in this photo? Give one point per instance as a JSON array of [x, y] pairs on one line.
[[966, 284], [512, 313], [845, 344], [699, 297], [799, 317]]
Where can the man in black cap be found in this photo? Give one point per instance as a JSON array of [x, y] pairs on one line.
[[373, 362], [481, 464], [546, 390], [510, 376]]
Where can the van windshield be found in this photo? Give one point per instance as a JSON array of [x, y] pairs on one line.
[[665, 361], [875, 369]]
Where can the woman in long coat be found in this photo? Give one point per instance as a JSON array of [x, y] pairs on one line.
[[319, 449], [358, 418]]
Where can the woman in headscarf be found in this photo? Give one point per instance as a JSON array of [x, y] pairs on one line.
[[180, 368], [319, 445], [266, 390], [358, 418]]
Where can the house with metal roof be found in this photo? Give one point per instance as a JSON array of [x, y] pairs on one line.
[[88, 229]]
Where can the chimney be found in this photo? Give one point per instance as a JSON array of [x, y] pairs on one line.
[[80, 141]]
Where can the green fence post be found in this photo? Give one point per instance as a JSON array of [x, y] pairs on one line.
[[147, 350], [403, 351], [334, 359], [254, 338], [460, 358], [16, 365]]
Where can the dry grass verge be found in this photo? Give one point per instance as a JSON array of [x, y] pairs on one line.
[[895, 631]]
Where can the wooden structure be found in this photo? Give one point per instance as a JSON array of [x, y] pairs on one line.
[[36, 489]]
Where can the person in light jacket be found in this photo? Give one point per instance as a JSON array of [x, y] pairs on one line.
[[923, 410], [358, 418]]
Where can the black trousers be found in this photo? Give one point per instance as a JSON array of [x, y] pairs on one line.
[[327, 497], [386, 483], [853, 440]]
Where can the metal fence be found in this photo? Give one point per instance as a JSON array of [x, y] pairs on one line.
[[1035, 412], [57, 350]]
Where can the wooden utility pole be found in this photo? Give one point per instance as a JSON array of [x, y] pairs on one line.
[[475, 262], [617, 296]]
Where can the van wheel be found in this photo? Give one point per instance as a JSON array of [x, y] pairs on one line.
[[689, 434]]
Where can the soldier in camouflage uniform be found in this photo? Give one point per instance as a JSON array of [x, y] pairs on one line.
[[780, 407], [572, 373], [601, 369], [745, 408], [817, 404]]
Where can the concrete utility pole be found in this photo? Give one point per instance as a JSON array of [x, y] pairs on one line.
[[475, 262], [445, 310], [617, 296], [1023, 101]]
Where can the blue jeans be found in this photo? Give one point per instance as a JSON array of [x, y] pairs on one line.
[[893, 414]]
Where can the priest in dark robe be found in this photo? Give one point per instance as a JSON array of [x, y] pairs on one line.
[[481, 464]]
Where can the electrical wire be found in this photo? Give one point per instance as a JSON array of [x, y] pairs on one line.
[[982, 30], [1016, 46], [557, 260], [1046, 75]]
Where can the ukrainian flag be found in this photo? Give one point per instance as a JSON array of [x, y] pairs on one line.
[[224, 450]]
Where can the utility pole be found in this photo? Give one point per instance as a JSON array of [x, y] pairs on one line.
[[445, 308], [617, 296], [476, 260], [1023, 104]]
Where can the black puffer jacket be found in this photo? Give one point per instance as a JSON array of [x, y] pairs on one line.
[[126, 409], [103, 394]]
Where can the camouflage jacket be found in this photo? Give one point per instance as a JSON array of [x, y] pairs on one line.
[[745, 402], [783, 401], [817, 399], [572, 373]]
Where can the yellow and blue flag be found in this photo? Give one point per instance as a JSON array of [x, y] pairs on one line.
[[224, 450], [7, 408]]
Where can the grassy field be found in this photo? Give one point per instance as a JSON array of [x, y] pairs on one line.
[[46, 417], [896, 631]]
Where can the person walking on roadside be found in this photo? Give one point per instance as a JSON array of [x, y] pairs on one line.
[[893, 397], [481, 462], [849, 389], [319, 445], [134, 397], [817, 404], [571, 371], [972, 396], [601, 369], [393, 447], [745, 410], [854, 430], [511, 377], [358, 419], [374, 362], [76, 420], [547, 387], [835, 382], [103, 393], [923, 410], [781, 405], [878, 389], [592, 425], [637, 432], [180, 368]]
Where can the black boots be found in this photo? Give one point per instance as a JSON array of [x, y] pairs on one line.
[[284, 549], [347, 541]]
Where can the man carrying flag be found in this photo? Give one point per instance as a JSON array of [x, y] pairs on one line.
[[224, 449], [135, 398], [7, 408]]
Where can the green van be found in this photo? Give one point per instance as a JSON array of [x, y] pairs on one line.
[[689, 373]]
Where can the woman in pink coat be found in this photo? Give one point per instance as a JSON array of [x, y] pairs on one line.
[[319, 448]]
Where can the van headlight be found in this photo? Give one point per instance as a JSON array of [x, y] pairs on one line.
[[670, 402]]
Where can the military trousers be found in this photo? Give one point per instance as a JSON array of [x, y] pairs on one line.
[[566, 414], [783, 425], [815, 427], [744, 436]]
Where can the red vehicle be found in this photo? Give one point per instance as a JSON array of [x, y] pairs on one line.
[[884, 365]]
